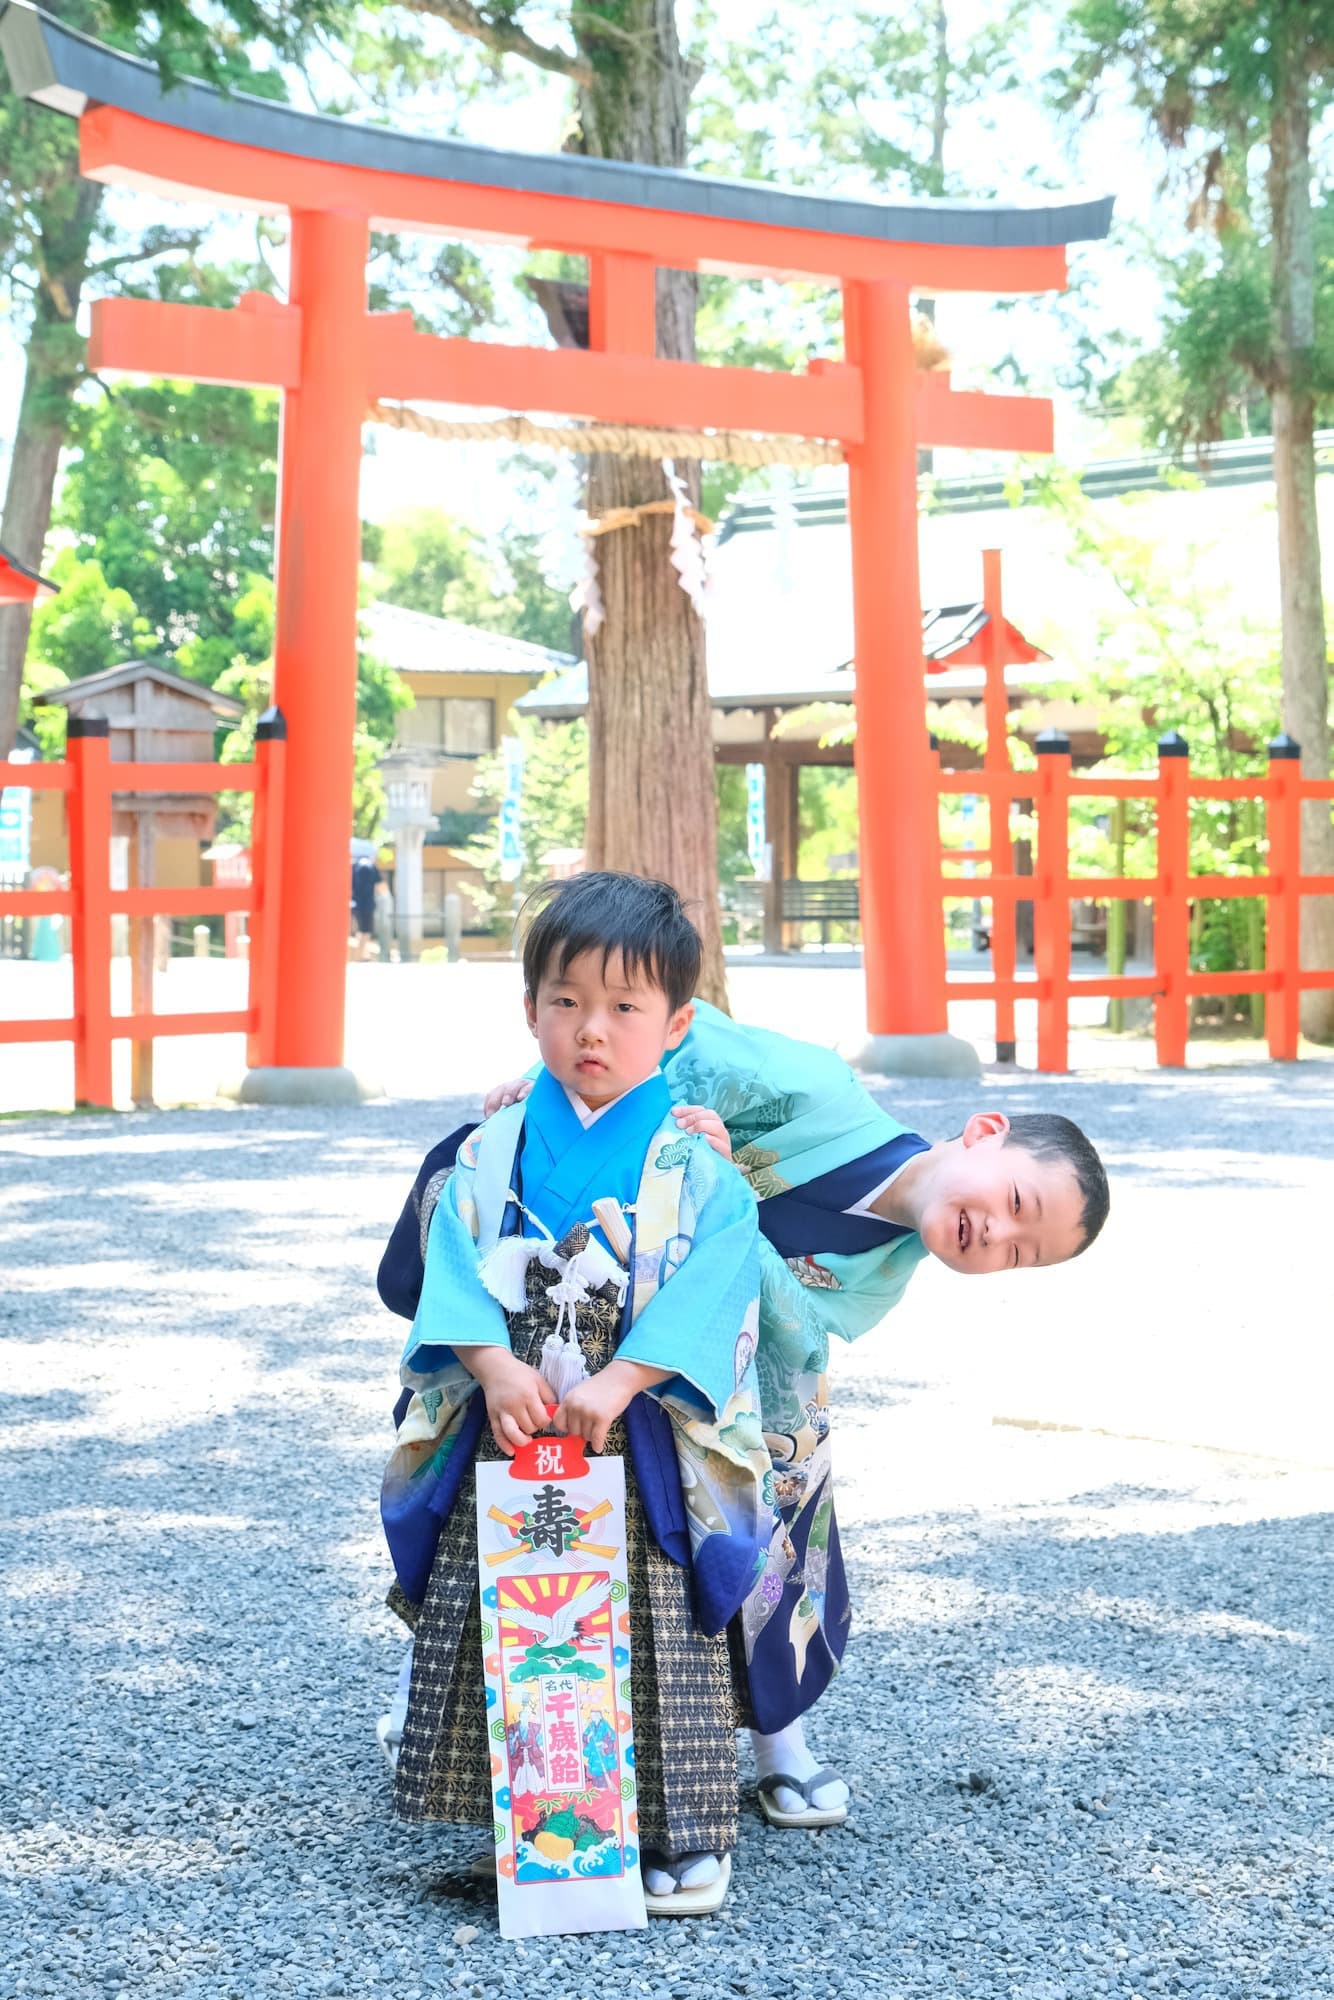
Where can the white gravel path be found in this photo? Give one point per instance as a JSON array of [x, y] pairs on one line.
[[1089, 1706]]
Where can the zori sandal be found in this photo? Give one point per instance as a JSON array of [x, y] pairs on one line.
[[702, 1902], [810, 1815]]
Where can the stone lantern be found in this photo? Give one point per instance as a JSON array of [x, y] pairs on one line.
[[408, 819]]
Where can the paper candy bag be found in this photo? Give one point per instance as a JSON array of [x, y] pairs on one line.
[[556, 1653]]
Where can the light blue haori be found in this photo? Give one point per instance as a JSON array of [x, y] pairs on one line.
[[534, 1168], [796, 1113]]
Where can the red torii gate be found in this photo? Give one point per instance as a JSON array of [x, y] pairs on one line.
[[332, 359]]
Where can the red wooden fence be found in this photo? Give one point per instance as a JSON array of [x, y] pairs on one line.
[[88, 778], [1172, 890]]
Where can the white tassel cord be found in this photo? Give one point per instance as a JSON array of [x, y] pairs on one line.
[[586, 597], [504, 1273], [504, 1269], [563, 1364]]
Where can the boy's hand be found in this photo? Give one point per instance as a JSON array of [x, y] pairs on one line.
[[517, 1397], [501, 1094], [591, 1407], [699, 1118]]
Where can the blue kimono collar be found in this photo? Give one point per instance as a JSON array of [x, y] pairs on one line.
[[567, 1166]]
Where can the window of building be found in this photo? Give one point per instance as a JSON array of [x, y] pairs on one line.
[[460, 725], [469, 728]]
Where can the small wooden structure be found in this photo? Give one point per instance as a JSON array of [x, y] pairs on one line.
[[153, 716]]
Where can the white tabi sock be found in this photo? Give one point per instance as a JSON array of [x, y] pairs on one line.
[[689, 1871], [785, 1752], [398, 1707]]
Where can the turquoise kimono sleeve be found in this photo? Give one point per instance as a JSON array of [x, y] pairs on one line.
[[850, 1296], [696, 1324], [455, 1309]]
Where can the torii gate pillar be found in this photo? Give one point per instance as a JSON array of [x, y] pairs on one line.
[[315, 656], [902, 923]]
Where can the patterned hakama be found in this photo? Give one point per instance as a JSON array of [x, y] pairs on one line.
[[685, 1707]]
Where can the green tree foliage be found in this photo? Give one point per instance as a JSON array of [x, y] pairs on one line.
[[1167, 649], [59, 247], [872, 98], [1236, 95], [88, 626], [1210, 376], [553, 811], [1162, 647], [427, 561]]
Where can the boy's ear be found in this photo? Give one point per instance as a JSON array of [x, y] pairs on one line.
[[679, 1025], [531, 1012], [985, 1125]]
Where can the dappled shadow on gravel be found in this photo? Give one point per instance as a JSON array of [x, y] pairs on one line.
[[1125, 1741], [1091, 1730]]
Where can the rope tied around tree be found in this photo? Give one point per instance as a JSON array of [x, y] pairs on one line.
[[630, 517]]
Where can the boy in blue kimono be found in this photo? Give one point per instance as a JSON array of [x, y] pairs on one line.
[[850, 1203], [589, 1267]]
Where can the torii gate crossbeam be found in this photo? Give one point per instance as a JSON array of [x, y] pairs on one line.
[[331, 359]]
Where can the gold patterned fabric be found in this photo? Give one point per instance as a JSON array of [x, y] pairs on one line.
[[686, 1705]]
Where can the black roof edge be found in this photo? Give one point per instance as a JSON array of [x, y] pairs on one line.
[[1236, 462], [53, 65]]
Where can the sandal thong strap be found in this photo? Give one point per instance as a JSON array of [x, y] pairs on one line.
[[805, 1788]]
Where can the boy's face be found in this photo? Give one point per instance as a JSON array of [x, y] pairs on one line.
[[600, 1030], [995, 1207]]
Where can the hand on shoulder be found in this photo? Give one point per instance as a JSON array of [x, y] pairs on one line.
[[502, 1094], [699, 1118]]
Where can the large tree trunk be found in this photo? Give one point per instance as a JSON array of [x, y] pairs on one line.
[[1305, 660], [652, 806], [53, 370], [32, 481]]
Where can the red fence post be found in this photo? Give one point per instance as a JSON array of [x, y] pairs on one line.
[[1171, 926], [1051, 905], [88, 753], [266, 875], [1283, 904]]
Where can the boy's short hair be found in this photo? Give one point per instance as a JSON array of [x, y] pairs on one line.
[[1047, 1136], [642, 921]]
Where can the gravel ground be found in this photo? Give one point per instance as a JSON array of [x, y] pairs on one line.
[[1089, 1707]]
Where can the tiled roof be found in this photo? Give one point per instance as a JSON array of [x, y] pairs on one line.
[[412, 642]]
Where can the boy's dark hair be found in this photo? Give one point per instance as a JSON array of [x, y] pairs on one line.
[[642, 921], [1049, 1137]]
